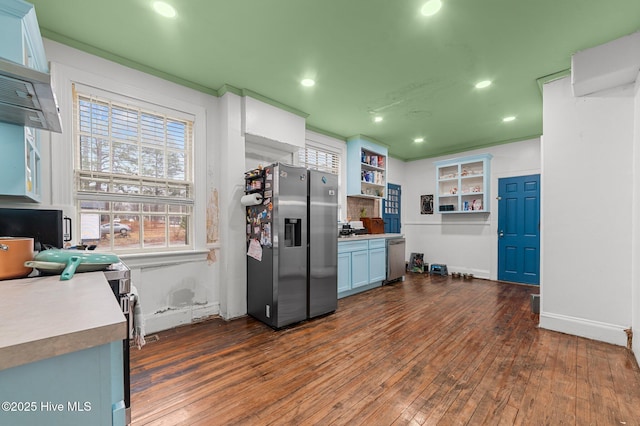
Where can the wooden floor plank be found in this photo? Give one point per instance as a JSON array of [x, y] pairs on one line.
[[429, 350]]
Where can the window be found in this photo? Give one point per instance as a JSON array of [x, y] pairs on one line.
[[320, 158], [315, 158], [133, 173]]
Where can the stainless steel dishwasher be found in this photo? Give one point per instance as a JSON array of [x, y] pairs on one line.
[[395, 259]]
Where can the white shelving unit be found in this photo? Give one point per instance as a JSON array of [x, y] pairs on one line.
[[462, 185]]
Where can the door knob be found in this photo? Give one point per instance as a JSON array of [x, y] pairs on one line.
[[501, 233]]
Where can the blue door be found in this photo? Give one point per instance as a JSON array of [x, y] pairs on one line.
[[519, 229], [391, 209]]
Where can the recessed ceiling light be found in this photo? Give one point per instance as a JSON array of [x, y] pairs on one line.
[[431, 7], [418, 140], [307, 82], [510, 118], [164, 9], [482, 84], [377, 119]]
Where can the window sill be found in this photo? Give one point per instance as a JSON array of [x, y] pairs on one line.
[[146, 260]]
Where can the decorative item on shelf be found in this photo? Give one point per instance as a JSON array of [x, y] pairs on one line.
[[453, 190], [464, 172], [477, 205]]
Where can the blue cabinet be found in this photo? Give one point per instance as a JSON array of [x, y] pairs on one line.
[[20, 162], [366, 168], [361, 265], [20, 35], [79, 388], [344, 272], [359, 268], [21, 42], [377, 260]]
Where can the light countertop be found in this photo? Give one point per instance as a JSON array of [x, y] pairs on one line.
[[44, 317], [368, 237]]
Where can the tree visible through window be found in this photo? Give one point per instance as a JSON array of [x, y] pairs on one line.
[[133, 171]]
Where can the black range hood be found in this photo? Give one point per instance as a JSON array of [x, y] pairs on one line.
[[26, 97]]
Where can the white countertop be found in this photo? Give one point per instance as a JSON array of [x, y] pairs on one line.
[[44, 317], [368, 237]]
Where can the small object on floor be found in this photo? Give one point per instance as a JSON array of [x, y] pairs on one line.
[[455, 274], [467, 276], [439, 269], [416, 263], [535, 303]]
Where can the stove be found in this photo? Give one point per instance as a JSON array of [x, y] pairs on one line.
[[119, 277]]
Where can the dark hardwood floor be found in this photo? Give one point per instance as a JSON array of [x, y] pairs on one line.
[[430, 350]]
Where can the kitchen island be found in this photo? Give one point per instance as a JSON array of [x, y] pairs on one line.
[[362, 262], [61, 352]]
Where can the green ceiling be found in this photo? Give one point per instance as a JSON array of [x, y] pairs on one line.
[[368, 57]]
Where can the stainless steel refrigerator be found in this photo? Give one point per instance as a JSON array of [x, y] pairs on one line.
[[291, 244]]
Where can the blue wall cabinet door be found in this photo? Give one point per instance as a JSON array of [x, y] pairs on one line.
[[20, 162], [391, 209], [344, 272], [519, 229]]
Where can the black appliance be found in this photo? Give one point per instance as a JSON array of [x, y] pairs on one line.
[[119, 277], [44, 226]]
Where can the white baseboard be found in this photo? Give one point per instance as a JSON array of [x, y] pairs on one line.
[[604, 332], [174, 317]]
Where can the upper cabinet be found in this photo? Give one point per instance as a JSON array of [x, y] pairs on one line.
[[27, 98], [366, 168], [462, 184], [24, 79]]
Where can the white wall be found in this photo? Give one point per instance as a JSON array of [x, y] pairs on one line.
[[465, 243], [635, 261], [174, 288], [587, 187]]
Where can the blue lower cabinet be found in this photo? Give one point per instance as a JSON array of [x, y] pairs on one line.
[[377, 264], [359, 268], [344, 272], [361, 265], [79, 388]]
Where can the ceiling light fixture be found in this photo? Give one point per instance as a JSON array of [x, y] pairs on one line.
[[377, 119], [482, 84], [418, 140], [510, 118], [164, 9], [431, 7], [307, 82]]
